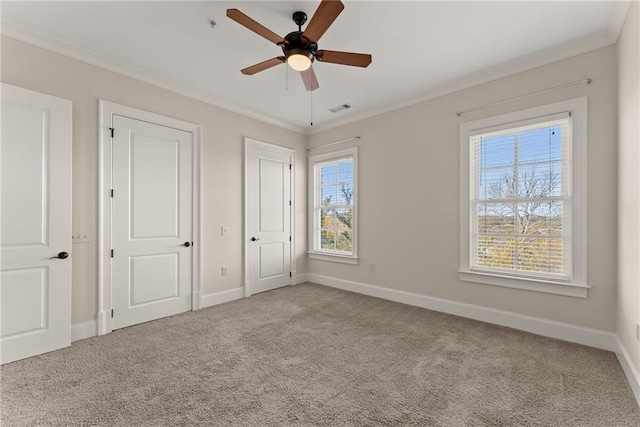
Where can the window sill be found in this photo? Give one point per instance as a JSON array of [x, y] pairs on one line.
[[529, 284], [343, 259]]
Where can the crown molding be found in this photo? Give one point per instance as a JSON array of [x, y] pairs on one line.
[[525, 63], [618, 11], [44, 41], [609, 34]]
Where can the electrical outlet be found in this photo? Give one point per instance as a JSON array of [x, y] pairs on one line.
[[372, 267], [224, 230], [224, 271], [80, 237]]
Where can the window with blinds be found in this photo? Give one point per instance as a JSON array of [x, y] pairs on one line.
[[333, 181], [521, 198]]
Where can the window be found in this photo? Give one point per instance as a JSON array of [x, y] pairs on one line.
[[333, 195], [522, 204]]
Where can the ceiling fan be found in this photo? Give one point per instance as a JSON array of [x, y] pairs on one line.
[[300, 48]]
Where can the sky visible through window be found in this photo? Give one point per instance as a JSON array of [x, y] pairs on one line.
[[515, 159], [333, 177]]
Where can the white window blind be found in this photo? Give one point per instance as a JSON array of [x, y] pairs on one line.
[[333, 205], [521, 199]]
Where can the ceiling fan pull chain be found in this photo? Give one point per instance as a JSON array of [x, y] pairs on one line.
[[286, 79], [311, 92]]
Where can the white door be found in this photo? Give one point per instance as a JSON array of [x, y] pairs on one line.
[[151, 221], [35, 286], [268, 228]]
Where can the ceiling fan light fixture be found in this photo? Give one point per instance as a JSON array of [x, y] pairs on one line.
[[299, 59]]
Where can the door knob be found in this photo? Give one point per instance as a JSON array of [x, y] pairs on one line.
[[253, 239], [61, 255], [186, 244]]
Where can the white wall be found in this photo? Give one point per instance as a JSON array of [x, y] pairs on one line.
[[222, 161], [629, 184], [409, 193]]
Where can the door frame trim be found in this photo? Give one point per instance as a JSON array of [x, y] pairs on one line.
[[107, 110], [254, 143]]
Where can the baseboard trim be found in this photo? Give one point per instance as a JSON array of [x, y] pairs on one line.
[[104, 322], [196, 300], [633, 376], [301, 278], [80, 331], [548, 328], [88, 329], [221, 297]]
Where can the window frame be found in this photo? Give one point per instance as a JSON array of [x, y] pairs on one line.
[[576, 285], [314, 193]]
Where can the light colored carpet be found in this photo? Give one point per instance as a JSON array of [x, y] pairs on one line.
[[312, 355]]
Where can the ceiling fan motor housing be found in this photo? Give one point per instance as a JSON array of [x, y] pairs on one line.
[[296, 43]]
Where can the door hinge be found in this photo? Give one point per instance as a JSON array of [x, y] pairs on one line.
[[111, 253], [112, 130], [289, 202], [290, 274], [112, 193], [289, 238], [112, 313], [290, 166]]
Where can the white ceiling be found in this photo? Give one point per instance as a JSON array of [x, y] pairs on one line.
[[420, 49]]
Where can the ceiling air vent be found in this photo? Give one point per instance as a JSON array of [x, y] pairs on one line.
[[340, 108]]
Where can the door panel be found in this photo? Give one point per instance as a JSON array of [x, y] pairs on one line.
[[31, 287], [152, 220], [159, 270], [272, 259], [24, 216], [268, 217], [35, 168], [154, 187], [271, 204]]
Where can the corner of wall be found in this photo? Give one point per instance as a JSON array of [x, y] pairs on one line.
[[628, 286], [630, 371]]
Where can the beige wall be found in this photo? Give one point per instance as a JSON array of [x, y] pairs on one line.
[[408, 171], [629, 183], [409, 212], [222, 161]]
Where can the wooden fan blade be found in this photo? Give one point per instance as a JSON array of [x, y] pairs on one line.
[[263, 65], [309, 79], [254, 26], [326, 13], [344, 58]]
